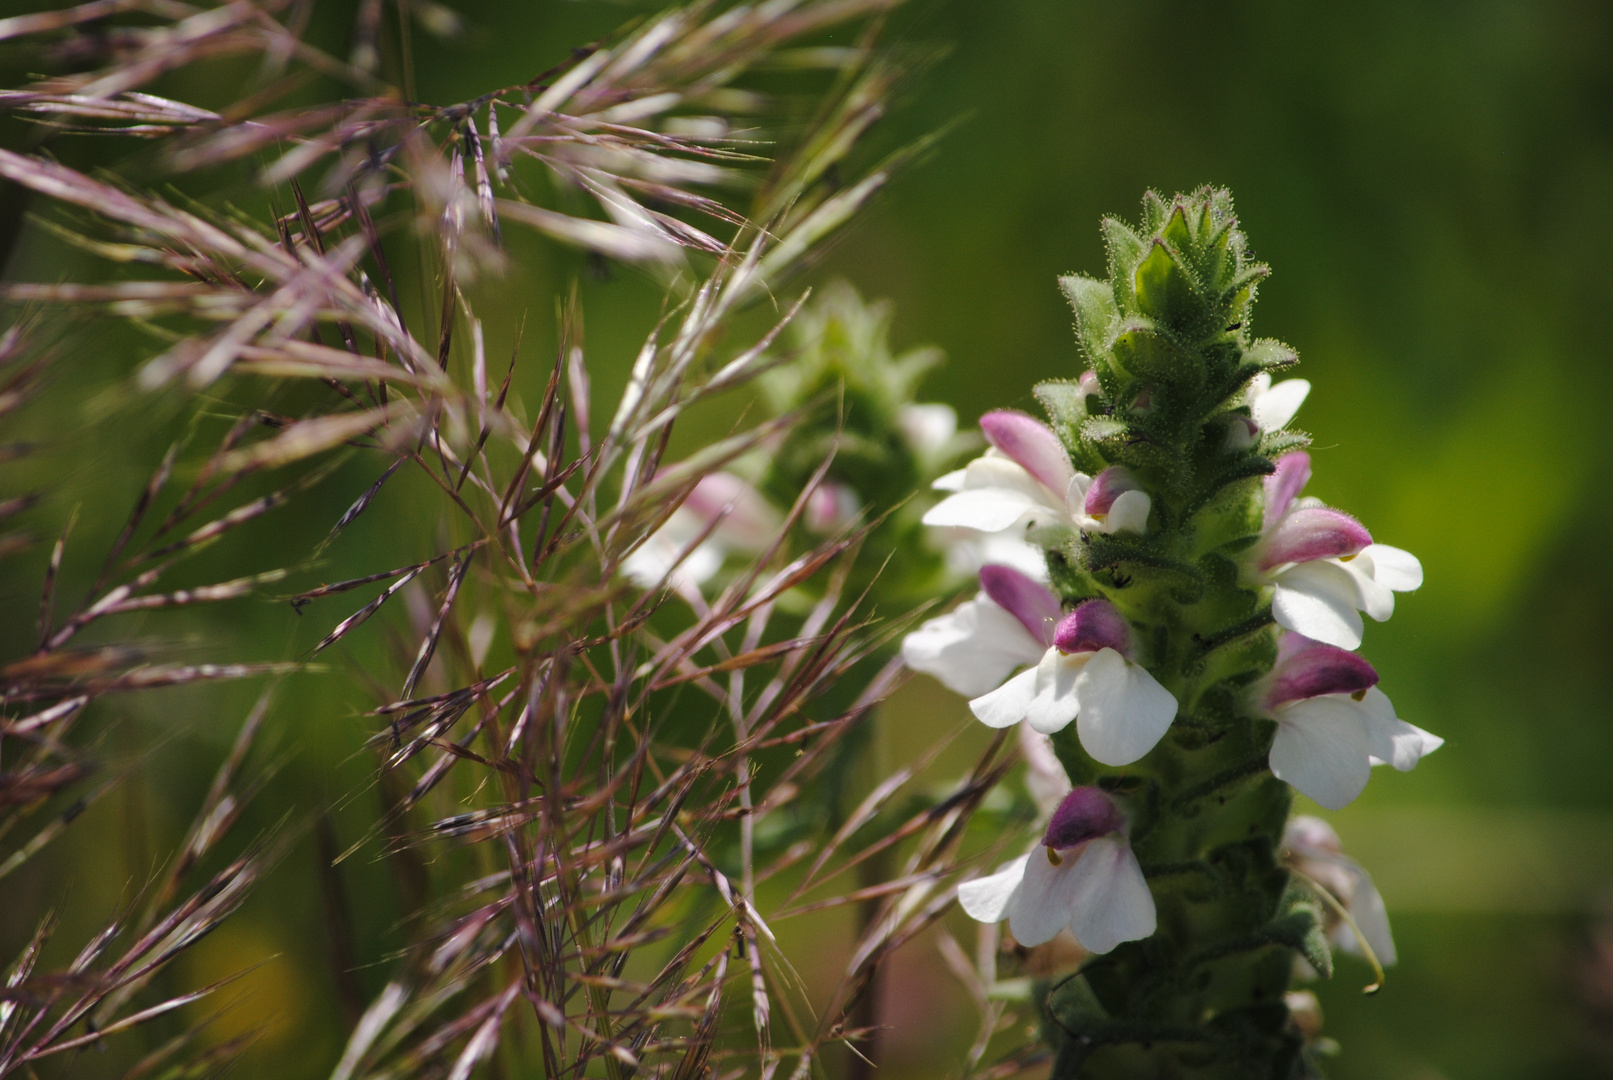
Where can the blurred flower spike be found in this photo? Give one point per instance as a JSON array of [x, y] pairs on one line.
[[1083, 877]]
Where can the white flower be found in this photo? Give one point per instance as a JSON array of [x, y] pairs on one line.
[[977, 645], [1333, 723], [830, 507], [967, 552], [1083, 666], [1026, 482], [1083, 877], [1322, 565], [1087, 675], [1312, 847], [721, 514], [1270, 409], [928, 428]]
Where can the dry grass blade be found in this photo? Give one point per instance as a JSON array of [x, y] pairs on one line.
[[598, 774]]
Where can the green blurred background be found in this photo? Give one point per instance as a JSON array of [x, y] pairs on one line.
[[1433, 185]]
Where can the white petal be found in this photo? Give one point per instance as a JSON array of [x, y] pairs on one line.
[[656, 561], [648, 565], [1275, 407], [1392, 741], [928, 426], [1370, 915], [1040, 907], [986, 899], [1317, 599], [967, 551], [1012, 552], [1396, 569], [1371, 595], [1110, 902], [1129, 513], [1123, 709], [1321, 749], [1045, 777], [973, 648], [952, 481], [986, 509], [1055, 703], [1006, 705], [702, 564]]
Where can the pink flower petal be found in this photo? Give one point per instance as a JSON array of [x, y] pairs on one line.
[[1094, 625], [1108, 486], [1083, 814], [747, 521], [1284, 485], [1314, 669], [1313, 532], [1026, 599], [1032, 445]]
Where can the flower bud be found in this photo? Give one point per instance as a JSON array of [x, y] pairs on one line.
[[1084, 814], [1029, 601], [830, 507], [1094, 625], [1032, 445], [1108, 486]]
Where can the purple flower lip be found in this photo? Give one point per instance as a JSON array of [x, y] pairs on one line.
[[1026, 600], [1106, 487], [1313, 532], [1094, 625], [1032, 445], [1307, 669], [1084, 814], [1284, 485]]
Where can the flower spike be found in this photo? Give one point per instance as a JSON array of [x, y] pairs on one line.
[[1183, 633]]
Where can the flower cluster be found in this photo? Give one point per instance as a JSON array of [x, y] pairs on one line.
[[1172, 624], [1081, 663]]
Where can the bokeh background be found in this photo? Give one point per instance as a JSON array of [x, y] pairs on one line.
[[1433, 185]]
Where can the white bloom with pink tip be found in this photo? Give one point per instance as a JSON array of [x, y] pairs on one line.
[[1312, 847], [1082, 877], [722, 514], [1333, 723], [1082, 666], [978, 644], [1322, 565], [1270, 409], [1026, 481], [1086, 674]]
